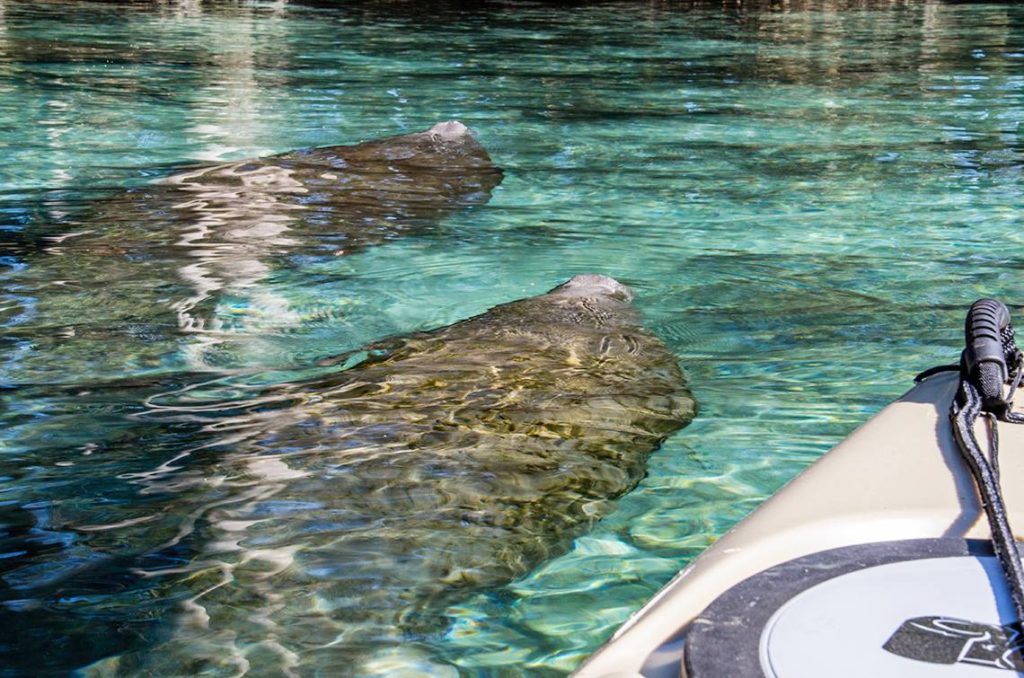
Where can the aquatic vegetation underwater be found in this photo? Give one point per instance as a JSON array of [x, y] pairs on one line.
[[803, 199]]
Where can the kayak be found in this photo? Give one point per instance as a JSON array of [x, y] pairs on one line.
[[878, 560]]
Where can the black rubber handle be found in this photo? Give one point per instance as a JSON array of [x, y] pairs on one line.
[[985, 357]]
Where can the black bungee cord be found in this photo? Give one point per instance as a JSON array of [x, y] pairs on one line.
[[990, 361]]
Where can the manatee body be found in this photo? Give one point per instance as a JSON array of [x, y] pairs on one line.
[[352, 509], [332, 198], [158, 262]]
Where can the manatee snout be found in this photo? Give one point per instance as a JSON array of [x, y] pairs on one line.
[[592, 284], [448, 130]]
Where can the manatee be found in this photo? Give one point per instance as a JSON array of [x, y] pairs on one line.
[[189, 255], [345, 513]]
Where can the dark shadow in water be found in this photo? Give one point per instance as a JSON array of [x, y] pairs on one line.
[[68, 595]]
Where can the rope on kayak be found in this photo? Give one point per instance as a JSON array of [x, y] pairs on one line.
[[985, 369]]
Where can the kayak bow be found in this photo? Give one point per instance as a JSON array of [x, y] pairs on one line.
[[878, 559]]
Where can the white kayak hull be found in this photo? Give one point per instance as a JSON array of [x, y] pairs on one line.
[[898, 477]]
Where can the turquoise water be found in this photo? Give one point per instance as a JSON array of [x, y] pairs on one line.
[[805, 200]]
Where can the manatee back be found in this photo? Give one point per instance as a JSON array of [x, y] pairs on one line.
[[448, 461]]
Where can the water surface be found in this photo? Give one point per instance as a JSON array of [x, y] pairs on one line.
[[805, 200]]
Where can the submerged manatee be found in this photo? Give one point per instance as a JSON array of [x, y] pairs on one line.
[[349, 511], [190, 255]]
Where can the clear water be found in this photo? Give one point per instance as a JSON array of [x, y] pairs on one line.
[[806, 200]]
